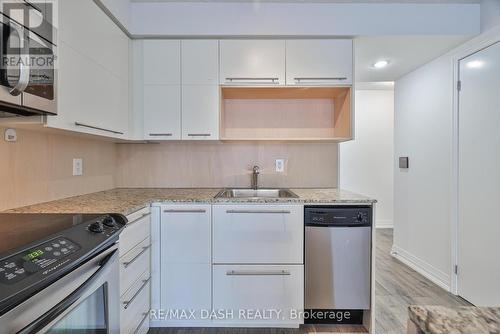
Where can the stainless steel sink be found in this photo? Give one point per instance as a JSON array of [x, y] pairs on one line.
[[256, 193]]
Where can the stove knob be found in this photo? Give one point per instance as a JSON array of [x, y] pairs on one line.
[[359, 218], [96, 227], [109, 221]]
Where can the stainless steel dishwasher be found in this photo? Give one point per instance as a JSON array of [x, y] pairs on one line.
[[337, 261]]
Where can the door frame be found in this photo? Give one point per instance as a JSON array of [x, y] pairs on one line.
[[469, 48]]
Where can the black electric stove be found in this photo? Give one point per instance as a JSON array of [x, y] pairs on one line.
[[38, 249]]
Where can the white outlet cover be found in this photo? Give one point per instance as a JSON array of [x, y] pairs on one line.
[[10, 135], [280, 165], [77, 166]]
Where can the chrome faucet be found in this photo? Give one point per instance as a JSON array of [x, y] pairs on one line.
[[255, 177]]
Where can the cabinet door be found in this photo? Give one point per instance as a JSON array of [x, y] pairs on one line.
[[162, 62], [316, 62], [200, 62], [252, 62], [162, 112], [200, 112], [257, 287]]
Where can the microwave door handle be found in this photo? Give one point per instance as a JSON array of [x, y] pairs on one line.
[[24, 69], [61, 308]]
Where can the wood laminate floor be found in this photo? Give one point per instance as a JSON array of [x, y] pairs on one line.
[[397, 287]]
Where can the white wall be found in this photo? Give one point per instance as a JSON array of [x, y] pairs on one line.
[[301, 19], [366, 164], [490, 14]]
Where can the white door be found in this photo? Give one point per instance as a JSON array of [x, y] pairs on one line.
[[319, 62], [200, 89], [252, 62], [162, 89], [479, 178]]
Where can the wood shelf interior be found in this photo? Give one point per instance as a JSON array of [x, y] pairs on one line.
[[285, 113]]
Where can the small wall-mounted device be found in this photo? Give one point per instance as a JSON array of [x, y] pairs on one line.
[[77, 167], [10, 135], [403, 162], [280, 165]]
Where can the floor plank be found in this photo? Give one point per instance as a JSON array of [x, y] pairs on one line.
[[397, 287]]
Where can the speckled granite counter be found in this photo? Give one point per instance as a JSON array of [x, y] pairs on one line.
[[128, 200], [462, 320]]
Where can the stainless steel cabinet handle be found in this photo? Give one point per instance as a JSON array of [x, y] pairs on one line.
[[97, 128], [160, 134], [185, 211], [321, 79], [199, 134], [144, 249], [272, 80], [136, 220], [259, 211], [258, 273], [145, 316], [128, 302], [24, 69]]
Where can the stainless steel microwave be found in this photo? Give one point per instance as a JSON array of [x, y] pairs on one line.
[[28, 77]]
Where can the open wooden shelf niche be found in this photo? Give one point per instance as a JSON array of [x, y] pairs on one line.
[[285, 113]]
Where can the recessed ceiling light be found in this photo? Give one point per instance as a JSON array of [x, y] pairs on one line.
[[475, 64], [381, 64]]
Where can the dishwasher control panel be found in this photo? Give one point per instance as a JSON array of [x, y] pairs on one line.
[[338, 216]]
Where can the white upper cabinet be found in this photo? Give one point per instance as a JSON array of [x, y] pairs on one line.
[[252, 62], [200, 89], [162, 89], [319, 62]]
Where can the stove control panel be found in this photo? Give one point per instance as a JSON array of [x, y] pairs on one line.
[[21, 265]]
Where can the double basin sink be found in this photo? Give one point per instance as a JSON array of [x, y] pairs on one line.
[[256, 193]]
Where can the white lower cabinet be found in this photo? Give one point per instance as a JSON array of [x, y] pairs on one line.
[[135, 273], [259, 295]]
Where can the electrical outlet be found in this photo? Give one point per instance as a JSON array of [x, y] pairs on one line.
[[77, 166], [280, 165], [10, 135]]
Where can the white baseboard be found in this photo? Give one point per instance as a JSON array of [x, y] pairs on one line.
[[425, 269], [384, 223]]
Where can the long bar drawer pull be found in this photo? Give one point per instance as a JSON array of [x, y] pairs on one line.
[[128, 302], [321, 79], [160, 134], [97, 128], [185, 211], [273, 80], [144, 249], [145, 316], [258, 273], [259, 211], [199, 134], [136, 220]]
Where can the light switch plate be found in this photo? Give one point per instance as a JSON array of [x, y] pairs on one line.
[[280, 165], [403, 162], [77, 166]]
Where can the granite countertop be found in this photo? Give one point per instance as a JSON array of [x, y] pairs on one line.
[[128, 200], [466, 319]]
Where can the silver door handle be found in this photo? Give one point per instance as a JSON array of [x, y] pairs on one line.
[[258, 273], [321, 79], [185, 211], [97, 128], [272, 80], [128, 302], [136, 220], [259, 211], [160, 134], [199, 134], [144, 249], [24, 69], [145, 316]]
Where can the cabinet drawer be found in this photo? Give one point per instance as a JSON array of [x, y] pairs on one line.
[[137, 229], [256, 287], [135, 305], [134, 263], [258, 234]]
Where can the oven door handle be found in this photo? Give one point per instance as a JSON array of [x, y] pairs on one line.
[[67, 302], [24, 69]]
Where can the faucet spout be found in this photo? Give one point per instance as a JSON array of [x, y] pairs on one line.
[[255, 177]]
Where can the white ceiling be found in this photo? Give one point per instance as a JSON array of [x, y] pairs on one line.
[[322, 1], [404, 53]]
